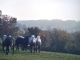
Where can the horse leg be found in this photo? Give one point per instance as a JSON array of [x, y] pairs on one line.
[[7, 50], [22, 47], [13, 49], [39, 48], [17, 47], [3, 48], [25, 48], [35, 48], [31, 49]]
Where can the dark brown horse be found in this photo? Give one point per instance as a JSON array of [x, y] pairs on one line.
[[8, 42], [21, 41]]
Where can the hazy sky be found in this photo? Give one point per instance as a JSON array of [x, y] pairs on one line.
[[41, 9]]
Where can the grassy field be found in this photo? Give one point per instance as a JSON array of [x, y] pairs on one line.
[[26, 55]]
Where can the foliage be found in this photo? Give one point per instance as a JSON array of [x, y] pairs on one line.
[[43, 39], [57, 40], [0, 41], [34, 30], [8, 27]]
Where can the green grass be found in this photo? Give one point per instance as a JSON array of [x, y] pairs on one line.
[[26, 55]]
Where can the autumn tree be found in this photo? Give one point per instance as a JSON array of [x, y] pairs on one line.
[[8, 25], [57, 40], [77, 42], [42, 34]]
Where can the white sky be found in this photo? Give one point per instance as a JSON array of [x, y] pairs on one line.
[[41, 9]]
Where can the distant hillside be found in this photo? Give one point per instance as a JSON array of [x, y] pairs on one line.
[[69, 25]]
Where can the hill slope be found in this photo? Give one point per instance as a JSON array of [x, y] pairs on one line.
[[69, 25], [26, 55]]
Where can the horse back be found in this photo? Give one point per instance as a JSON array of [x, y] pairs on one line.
[[38, 42], [7, 42]]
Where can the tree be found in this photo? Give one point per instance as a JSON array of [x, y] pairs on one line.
[[8, 26], [77, 41], [58, 40], [34, 31], [42, 34]]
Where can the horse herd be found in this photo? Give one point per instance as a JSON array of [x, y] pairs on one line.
[[21, 42]]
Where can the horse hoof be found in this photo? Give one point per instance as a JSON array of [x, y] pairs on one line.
[[12, 53], [6, 53]]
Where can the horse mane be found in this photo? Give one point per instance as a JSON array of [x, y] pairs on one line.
[[20, 36], [4, 37], [38, 39], [32, 39]]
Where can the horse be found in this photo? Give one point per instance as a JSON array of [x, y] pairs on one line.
[[22, 41], [38, 44], [7, 42], [32, 42]]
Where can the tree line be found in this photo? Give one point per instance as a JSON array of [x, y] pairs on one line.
[[56, 40]]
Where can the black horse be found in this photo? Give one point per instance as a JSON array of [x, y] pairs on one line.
[[8, 42], [22, 41]]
